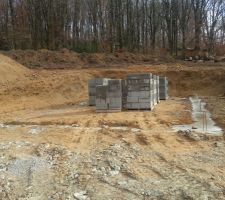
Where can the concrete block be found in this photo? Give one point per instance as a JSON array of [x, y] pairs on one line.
[[124, 93], [157, 82], [115, 100], [162, 79], [163, 88], [92, 84], [113, 94], [144, 100], [134, 106], [133, 94], [101, 91], [144, 94], [145, 106], [115, 103], [139, 76], [109, 97], [101, 97], [91, 100], [92, 92], [124, 87], [140, 106], [132, 99], [115, 88]]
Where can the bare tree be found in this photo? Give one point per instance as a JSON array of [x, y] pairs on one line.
[[198, 8], [184, 17], [212, 17], [103, 25]]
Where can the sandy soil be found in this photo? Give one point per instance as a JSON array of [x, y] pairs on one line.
[[11, 71], [53, 146], [59, 87]]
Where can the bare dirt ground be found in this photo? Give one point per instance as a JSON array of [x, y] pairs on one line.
[[53, 146]]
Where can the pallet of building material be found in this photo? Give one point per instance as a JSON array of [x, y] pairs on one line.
[[139, 79], [92, 84], [139, 103], [155, 99], [109, 97], [140, 92], [101, 97], [157, 87], [115, 95], [163, 80], [140, 76], [163, 88], [92, 100], [124, 93], [115, 88]]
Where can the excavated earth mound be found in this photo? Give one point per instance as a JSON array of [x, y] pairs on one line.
[[11, 71]]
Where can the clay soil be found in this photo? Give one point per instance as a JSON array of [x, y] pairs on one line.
[[54, 146]]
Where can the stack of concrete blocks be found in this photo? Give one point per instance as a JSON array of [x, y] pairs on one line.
[[136, 92], [115, 95], [101, 99], [163, 88], [157, 87], [92, 84], [124, 93], [140, 92], [109, 97], [155, 93]]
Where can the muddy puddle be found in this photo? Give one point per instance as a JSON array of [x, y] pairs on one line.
[[202, 120]]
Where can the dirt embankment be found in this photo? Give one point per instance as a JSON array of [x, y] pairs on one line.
[[11, 71], [65, 59], [183, 82], [37, 88], [48, 88]]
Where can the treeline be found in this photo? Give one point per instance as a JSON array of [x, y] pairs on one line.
[[108, 25]]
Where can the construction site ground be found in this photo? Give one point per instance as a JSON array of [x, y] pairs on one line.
[[54, 146]]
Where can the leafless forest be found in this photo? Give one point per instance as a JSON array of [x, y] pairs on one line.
[[105, 25]]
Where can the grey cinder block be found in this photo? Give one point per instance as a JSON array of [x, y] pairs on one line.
[[140, 87], [163, 88], [109, 97], [91, 100], [92, 84], [145, 100], [139, 76]]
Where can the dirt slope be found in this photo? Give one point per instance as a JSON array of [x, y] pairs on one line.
[[11, 70], [65, 59], [39, 88]]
